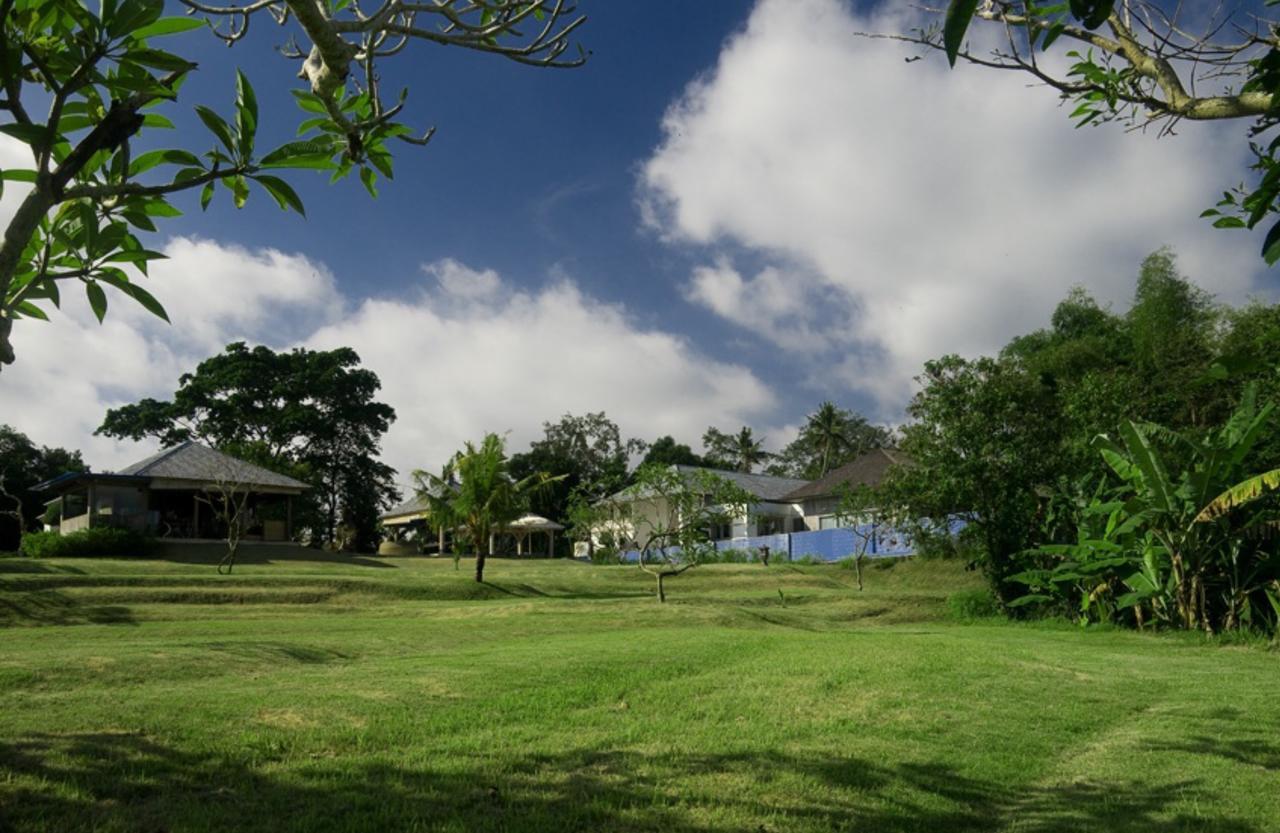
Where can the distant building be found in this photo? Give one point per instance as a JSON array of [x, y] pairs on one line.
[[165, 495], [783, 504]]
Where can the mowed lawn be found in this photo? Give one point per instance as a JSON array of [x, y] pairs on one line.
[[396, 694]]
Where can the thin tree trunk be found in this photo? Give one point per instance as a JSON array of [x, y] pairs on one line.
[[481, 552], [662, 594], [857, 566]]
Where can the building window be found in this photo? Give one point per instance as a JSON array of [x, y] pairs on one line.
[[829, 522]]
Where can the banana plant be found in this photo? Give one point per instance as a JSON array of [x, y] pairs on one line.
[[1189, 545]]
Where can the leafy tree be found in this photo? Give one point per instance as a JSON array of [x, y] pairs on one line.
[[830, 437], [689, 505], [99, 77], [1183, 545], [312, 413], [860, 508], [985, 440], [586, 453], [666, 451], [476, 494], [1143, 64], [738, 452], [23, 464]]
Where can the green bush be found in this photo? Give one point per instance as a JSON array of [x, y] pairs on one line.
[[972, 604], [96, 542]]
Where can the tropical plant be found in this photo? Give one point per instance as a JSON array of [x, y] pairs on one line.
[[476, 494], [1195, 549], [829, 438], [737, 452]]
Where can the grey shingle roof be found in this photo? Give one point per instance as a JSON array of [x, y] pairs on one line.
[[763, 486], [413, 506], [868, 469], [193, 461]]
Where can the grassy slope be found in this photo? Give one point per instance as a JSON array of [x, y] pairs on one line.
[[399, 695]]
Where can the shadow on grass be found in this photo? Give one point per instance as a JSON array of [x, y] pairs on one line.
[[30, 566], [275, 652], [1229, 733], [259, 554], [129, 782], [49, 607]]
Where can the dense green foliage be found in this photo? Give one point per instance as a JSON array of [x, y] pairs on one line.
[[1190, 546], [476, 495], [830, 437], [666, 451], [1111, 529], [734, 452], [23, 464], [348, 694], [311, 414], [587, 456], [94, 542]]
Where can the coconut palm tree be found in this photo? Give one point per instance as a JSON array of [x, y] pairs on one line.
[[828, 431], [476, 495], [740, 451]]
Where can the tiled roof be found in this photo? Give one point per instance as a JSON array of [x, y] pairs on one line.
[[763, 486], [868, 469], [414, 506], [193, 461]]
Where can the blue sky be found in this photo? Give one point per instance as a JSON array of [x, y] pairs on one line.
[[734, 211]]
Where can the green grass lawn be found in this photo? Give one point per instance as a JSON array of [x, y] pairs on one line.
[[397, 694]]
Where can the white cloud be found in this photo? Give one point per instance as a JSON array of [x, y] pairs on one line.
[[949, 209], [455, 371], [461, 353], [71, 369]]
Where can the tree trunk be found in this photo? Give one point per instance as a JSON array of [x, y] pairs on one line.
[[480, 555], [662, 594], [857, 566]]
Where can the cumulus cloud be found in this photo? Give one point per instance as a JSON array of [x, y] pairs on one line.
[[459, 351], [455, 369], [949, 209], [71, 369]]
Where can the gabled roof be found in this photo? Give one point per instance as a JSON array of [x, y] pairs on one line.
[[867, 470], [196, 462], [761, 486], [414, 507]]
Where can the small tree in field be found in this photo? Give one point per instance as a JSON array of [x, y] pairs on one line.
[[688, 506], [475, 494], [859, 508], [228, 497]]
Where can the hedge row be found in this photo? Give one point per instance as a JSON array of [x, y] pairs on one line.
[[95, 542]]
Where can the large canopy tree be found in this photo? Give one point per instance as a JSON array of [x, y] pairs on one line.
[[1146, 64], [311, 412], [23, 464], [99, 77], [585, 453]]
